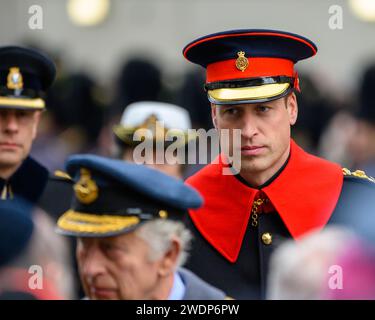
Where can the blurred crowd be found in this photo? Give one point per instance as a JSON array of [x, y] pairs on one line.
[[332, 264]]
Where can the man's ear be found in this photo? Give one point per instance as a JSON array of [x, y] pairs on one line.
[[213, 115], [169, 261], [37, 116], [292, 107]]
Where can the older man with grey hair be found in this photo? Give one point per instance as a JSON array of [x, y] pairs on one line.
[[131, 241]]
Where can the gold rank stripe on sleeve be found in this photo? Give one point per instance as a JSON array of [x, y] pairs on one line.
[[358, 174]]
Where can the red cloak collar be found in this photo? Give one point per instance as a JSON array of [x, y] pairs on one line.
[[304, 194]]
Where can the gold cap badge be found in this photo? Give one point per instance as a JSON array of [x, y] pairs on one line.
[[242, 62], [152, 123], [14, 79], [163, 214], [86, 189]]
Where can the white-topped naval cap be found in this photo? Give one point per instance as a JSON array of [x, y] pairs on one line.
[[172, 116]]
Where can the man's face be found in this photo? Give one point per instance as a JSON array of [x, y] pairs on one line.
[[18, 129], [117, 267], [265, 132]]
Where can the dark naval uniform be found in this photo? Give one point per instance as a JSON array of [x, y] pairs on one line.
[[33, 182], [25, 75], [239, 226]]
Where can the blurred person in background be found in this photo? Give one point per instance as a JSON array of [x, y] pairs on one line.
[[131, 241], [25, 75], [299, 270], [76, 107], [357, 263], [194, 100], [335, 263], [362, 144], [140, 79], [35, 262], [337, 137], [318, 110], [166, 124], [349, 138], [357, 260], [276, 191]]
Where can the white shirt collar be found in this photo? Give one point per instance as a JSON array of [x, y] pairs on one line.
[[178, 288]]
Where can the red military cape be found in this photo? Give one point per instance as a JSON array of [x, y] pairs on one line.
[[304, 195]]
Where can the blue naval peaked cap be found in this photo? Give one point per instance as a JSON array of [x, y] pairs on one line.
[[249, 65], [112, 197], [16, 227], [25, 76]]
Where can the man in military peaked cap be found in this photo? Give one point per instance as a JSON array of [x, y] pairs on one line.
[[277, 190], [25, 75], [158, 126], [131, 242]]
